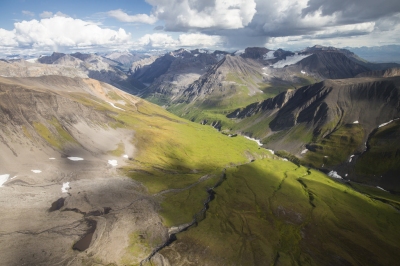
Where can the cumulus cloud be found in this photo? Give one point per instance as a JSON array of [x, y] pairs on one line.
[[7, 38], [166, 41], [157, 40], [60, 32], [124, 17], [184, 15]]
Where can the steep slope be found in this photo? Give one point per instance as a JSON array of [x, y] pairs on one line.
[[168, 75], [334, 118]]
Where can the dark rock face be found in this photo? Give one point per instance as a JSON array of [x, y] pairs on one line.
[[50, 59], [282, 54], [255, 52], [369, 101], [158, 68]]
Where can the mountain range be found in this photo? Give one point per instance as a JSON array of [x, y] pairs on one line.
[[114, 159]]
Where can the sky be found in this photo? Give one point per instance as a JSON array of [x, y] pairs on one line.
[[42, 26]]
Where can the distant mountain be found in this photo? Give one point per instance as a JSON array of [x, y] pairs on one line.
[[22, 68], [168, 75], [125, 58], [256, 74], [379, 54], [96, 67]]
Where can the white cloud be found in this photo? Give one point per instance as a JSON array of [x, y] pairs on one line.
[[7, 38], [157, 40], [185, 15], [46, 14], [61, 32], [124, 17], [199, 40], [195, 40], [28, 13]]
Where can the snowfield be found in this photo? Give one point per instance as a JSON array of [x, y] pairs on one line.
[[290, 60], [256, 140], [65, 187], [269, 55], [334, 174], [116, 107], [3, 179], [113, 162], [75, 158]]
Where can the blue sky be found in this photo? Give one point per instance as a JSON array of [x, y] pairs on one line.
[[43, 26]]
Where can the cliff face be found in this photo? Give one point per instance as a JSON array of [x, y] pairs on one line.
[[370, 101]]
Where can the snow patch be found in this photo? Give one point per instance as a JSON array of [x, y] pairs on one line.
[[113, 162], [351, 158], [32, 60], [3, 179], [334, 174], [303, 72], [239, 52], [269, 55], [285, 160], [304, 151], [382, 189], [65, 187], [271, 151], [387, 123], [256, 140], [346, 175], [290, 60], [75, 158], [52, 158], [125, 156], [116, 107], [36, 171], [356, 122]]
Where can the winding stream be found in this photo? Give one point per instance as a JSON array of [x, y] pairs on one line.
[[199, 216]]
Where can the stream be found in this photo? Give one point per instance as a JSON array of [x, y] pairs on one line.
[[199, 216]]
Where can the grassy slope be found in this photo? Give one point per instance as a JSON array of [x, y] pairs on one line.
[[272, 213], [262, 213], [265, 211], [336, 147], [383, 154]]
